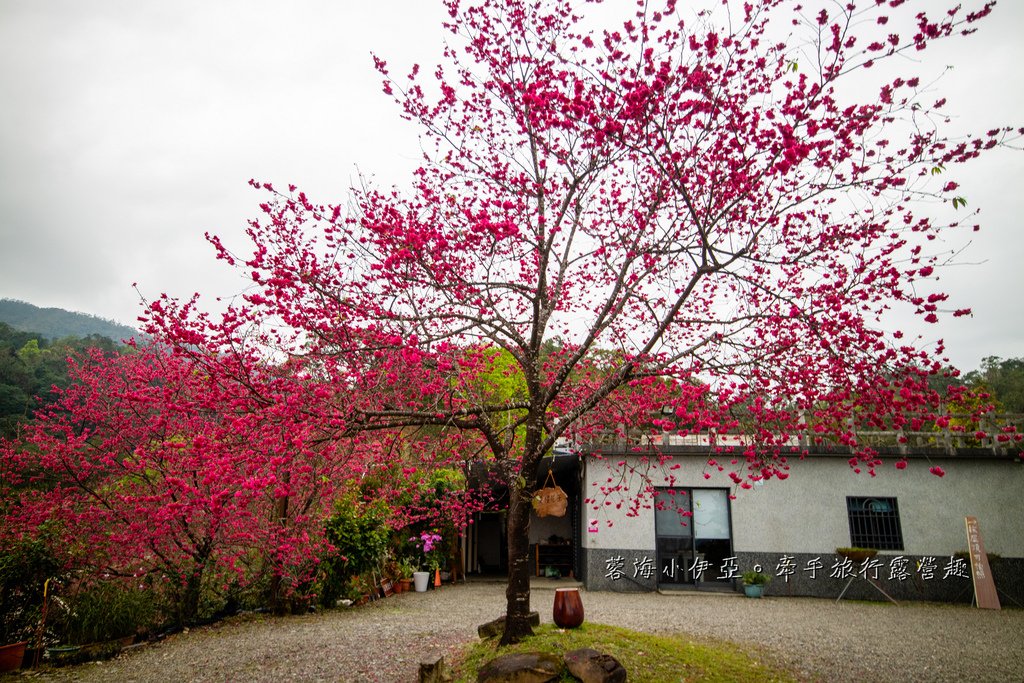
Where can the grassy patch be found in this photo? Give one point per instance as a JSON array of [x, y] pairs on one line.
[[646, 657]]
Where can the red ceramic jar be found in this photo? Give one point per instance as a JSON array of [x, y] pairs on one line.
[[568, 612]]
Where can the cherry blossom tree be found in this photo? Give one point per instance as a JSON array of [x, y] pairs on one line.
[[691, 199], [148, 467]]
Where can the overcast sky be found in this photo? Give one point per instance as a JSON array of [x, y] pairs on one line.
[[129, 128]]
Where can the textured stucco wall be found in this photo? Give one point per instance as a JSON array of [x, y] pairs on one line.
[[807, 512], [805, 516]]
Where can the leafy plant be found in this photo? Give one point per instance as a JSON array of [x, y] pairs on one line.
[[753, 578], [358, 533], [406, 568]]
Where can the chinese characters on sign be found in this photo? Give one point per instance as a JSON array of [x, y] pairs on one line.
[[985, 595], [898, 568]]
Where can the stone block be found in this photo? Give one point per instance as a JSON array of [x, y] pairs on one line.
[[434, 671], [591, 666], [525, 667]]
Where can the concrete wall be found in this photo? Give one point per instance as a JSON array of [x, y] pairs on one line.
[[542, 528], [805, 517], [807, 512]]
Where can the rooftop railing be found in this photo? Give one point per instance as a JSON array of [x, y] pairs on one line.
[[998, 434]]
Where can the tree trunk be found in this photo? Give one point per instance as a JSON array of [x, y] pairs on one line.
[[278, 605], [517, 624], [188, 608], [188, 611]]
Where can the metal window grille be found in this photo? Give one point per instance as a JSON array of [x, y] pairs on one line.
[[874, 523]]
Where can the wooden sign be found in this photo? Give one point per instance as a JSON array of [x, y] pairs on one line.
[[984, 586]]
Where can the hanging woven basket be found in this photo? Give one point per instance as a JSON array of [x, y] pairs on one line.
[[550, 500]]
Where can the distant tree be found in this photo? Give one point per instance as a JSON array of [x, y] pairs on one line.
[[692, 194], [1004, 379], [31, 367], [17, 385]]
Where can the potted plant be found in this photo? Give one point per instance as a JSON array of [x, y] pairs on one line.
[[430, 543], [754, 583], [406, 567]]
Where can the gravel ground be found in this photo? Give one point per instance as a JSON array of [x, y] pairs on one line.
[[385, 640]]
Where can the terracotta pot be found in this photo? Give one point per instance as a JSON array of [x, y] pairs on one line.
[[568, 611], [11, 656]]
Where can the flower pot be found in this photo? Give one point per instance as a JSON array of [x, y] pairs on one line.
[[420, 580], [11, 656], [406, 585], [753, 591], [63, 654], [568, 610]]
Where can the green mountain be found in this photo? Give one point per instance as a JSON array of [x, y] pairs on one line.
[[57, 323]]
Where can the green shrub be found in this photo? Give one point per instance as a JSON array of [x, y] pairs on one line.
[[24, 570], [359, 533], [107, 610]]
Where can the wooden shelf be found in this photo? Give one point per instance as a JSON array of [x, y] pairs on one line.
[[557, 555]]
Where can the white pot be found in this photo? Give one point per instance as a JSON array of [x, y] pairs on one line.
[[420, 580]]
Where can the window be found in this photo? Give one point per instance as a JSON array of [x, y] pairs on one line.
[[874, 523]]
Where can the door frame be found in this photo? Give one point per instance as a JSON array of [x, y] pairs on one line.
[[664, 558]]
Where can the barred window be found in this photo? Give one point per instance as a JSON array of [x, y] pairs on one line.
[[874, 523]]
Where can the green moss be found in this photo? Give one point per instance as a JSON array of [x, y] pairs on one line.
[[646, 657]]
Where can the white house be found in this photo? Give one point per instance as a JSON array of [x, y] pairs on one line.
[[712, 531]]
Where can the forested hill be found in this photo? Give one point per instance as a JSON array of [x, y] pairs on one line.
[[57, 323]]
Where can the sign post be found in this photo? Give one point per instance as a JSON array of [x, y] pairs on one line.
[[985, 594]]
